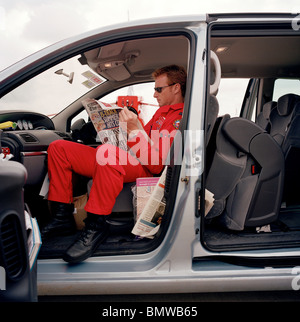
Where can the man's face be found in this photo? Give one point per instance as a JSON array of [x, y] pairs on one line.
[[167, 94]]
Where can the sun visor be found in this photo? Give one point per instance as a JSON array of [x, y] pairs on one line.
[[109, 61], [119, 73]]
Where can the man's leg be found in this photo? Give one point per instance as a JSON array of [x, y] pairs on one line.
[[109, 176], [64, 158], [113, 167]]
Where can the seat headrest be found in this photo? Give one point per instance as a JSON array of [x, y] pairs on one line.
[[286, 103], [215, 73], [267, 108]]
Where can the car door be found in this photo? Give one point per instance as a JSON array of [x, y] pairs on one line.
[[245, 51], [17, 278]]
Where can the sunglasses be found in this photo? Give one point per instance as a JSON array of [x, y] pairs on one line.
[[159, 89]]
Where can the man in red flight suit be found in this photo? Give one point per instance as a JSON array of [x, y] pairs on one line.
[[110, 166]]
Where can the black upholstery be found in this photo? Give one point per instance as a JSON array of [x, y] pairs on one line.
[[263, 118], [124, 202], [285, 129], [211, 117], [246, 175], [20, 283], [281, 117]]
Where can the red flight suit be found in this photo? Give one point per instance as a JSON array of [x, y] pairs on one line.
[[109, 174]]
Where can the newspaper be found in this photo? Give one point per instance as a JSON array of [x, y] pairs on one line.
[[148, 223], [209, 201], [144, 189], [105, 118]]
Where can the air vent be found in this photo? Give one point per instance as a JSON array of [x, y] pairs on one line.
[[12, 247], [63, 135], [28, 138]]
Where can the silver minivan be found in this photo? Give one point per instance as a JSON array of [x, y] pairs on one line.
[[239, 141]]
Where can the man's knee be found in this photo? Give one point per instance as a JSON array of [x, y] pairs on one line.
[[110, 155], [57, 145], [107, 154]]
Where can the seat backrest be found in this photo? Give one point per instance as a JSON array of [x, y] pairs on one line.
[[212, 110], [246, 175], [124, 200], [285, 129], [281, 116], [211, 116], [224, 169], [263, 118], [291, 150]]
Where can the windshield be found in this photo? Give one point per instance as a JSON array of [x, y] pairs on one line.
[[51, 91]]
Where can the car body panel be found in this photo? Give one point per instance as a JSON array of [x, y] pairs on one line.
[[182, 261]]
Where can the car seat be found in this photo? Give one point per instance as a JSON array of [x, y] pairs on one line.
[[124, 201], [285, 129], [20, 281], [246, 175], [263, 118], [281, 117]]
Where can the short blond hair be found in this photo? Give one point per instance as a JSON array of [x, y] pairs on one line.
[[176, 74]]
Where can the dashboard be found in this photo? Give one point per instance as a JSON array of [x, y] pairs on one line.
[[28, 141], [27, 120]]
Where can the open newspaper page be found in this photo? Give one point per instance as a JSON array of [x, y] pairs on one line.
[[105, 118], [148, 222]]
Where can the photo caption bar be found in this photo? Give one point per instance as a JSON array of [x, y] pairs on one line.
[[132, 312]]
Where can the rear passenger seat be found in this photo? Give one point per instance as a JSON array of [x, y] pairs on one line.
[[245, 175], [284, 127], [263, 119], [247, 199], [281, 117]]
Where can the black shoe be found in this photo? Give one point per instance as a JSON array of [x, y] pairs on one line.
[[92, 235], [63, 222]]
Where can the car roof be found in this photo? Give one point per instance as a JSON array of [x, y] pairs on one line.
[[184, 20], [53, 52]]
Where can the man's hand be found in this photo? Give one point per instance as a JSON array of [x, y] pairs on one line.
[[130, 118]]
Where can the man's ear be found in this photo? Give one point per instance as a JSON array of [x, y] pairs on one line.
[[177, 88]]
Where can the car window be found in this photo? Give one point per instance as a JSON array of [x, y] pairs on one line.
[[230, 95], [285, 86], [144, 93], [54, 89]]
